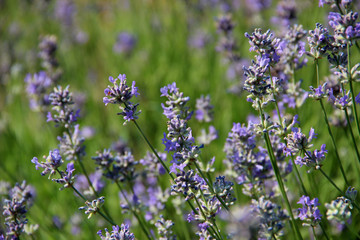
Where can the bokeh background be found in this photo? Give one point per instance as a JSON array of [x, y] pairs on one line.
[[154, 42]]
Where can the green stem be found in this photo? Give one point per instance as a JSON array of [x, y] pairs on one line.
[[333, 142], [328, 126], [276, 103], [217, 229], [84, 198], [278, 175], [153, 149], [210, 187], [314, 233], [133, 211], [298, 176], [352, 90], [352, 134], [352, 230], [92, 186], [331, 181], [202, 212]]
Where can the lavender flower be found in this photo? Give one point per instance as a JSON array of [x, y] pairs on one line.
[[164, 229], [204, 110], [61, 100], [264, 44], [313, 160], [224, 189], [257, 82], [120, 93], [120, 233], [187, 183], [320, 41], [51, 164], [36, 88], [309, 212], [272, 218], [71, 144], [15, 209], [93, 207], [345, 27], [120, 167], [351, 193], [341, 102], [207, 138], [48, 48], [225, 24], [297, 141], [125, 43], [339, 210], [319, 92], [67, 179], [176, 103]]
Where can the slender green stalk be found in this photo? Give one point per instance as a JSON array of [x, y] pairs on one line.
[[79, 160], [314, 233], [352, 90], [352, 230], [153, 149], [217, 229], [84, 198], [298, 176], [141, 223], [210, 187], [276, 103], [202, 212], [278, 175], [352, 135], [92, 187], [333, 142], [328, 126]]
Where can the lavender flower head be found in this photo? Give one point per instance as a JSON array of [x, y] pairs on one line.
[[345, 27], [297, 141], [125, 43], [61, 99], [120, 93], [309, 212], [257, 82], [339, 210], [67, 179], [36, 88], [119, 233], [272, 217], [15, 209], [204, 110], [176, 103], [320, 41], [93, 207], [52, 162], [265, 44]]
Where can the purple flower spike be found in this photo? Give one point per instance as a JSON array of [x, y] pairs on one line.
[[309, 212]]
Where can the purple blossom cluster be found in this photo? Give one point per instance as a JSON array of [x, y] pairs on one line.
[[261, 157], [120, 93], [309, 212]]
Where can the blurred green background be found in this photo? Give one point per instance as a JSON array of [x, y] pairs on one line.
[[161, 55]]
